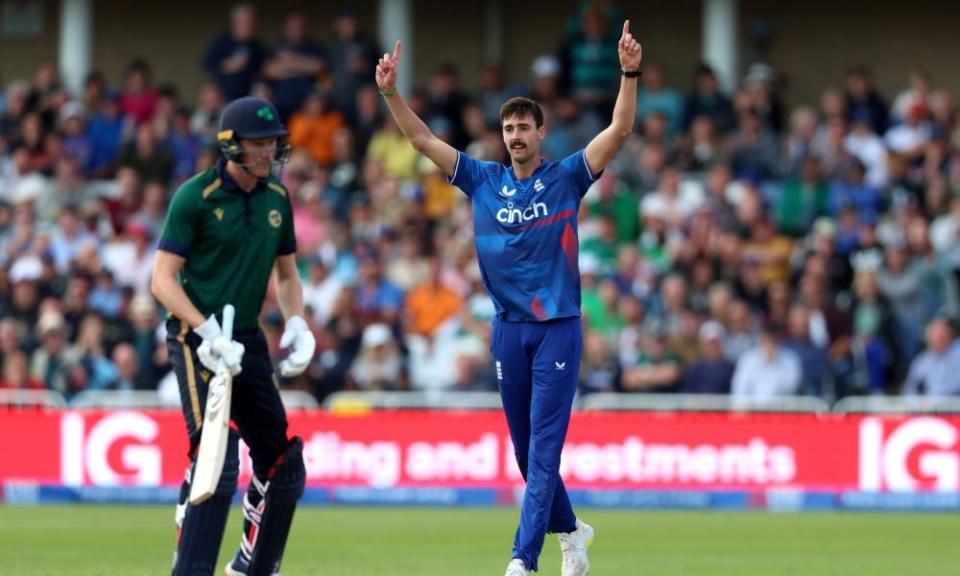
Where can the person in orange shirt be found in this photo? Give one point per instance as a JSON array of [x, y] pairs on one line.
[[431, 304], [314, 126]]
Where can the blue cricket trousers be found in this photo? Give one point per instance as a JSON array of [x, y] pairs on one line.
[[538, 365]]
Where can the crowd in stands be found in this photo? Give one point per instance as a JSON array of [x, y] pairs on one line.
[[737, 244]]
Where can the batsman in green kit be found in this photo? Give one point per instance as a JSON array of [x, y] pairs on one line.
[[227, 231]]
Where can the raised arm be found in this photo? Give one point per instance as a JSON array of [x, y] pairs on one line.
[[441, 153], [603, 147]]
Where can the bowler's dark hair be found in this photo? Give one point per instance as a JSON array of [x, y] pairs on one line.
[[520, 107]]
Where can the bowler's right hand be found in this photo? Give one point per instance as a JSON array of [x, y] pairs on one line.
[[217, 347]]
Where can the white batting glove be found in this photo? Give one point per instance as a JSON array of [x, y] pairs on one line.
[[217, 347], [297, 336]]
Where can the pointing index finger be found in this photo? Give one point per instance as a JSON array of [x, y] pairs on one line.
[[626, 28], [396, 50]]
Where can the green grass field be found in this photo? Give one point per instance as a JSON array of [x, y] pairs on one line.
[[91, 540]]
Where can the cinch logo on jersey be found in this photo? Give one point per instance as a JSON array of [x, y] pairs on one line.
[[511, 215]]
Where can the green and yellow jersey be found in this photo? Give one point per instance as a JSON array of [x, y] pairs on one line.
[[229, 240]]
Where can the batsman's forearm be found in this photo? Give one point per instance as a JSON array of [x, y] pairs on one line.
[[290, 297], [169, 292], [410, 124]]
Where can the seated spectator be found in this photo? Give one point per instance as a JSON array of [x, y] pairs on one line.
[[711, 373], [934, 372], [854, 191], [129, 376], [314, 126], [379, 365], [706, 99], [767, 371], [802, 199], [873, 330], [432, 306], [654, 96], [657, 368], [55, 352], [814, 363], [16, 374], [741, 333], [138, 101], [867, 148], [390, 149], [599, 369], [753, 148]]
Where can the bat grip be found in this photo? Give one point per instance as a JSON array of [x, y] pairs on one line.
[[227, 328]]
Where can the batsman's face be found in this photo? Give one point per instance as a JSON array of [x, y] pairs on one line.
[[258, 155], [522, 138]]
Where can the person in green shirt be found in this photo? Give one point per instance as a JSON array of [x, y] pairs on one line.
[[227, 231]]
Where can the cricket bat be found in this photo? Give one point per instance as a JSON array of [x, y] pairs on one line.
[[216, 426]]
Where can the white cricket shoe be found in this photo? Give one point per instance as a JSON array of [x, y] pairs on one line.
[[574, 546], [516, 568]]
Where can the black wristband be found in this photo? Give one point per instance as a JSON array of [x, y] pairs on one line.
[[631, 73]]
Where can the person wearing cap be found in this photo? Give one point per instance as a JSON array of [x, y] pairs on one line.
[[230, 229], [525, 227]]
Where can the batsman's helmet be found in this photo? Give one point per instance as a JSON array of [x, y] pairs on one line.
[[251, 118]]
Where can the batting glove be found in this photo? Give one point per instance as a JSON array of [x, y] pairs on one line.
[[299, 338], [217, 347]]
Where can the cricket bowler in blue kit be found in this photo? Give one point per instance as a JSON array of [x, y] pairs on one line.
[[525, 223]]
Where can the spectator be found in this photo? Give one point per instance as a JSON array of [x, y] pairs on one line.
[[138, 101], [707, 100], [16, 375], [128, 370], [233, 59], [392, 151], [767, 371], [802, 199], [589, 62], [105, 133], [656, 369], [379, 366], [655, 96], [314, 127], [294, 66], [599, 370], [863, 100], [711, 373], [150, 158], [753, 148], [934, 371], [873, 325], [919, 93], [814, 363], [353, 56], [55, 352], [205, 120], [432, 307]]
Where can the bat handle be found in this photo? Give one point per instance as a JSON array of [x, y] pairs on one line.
[[227, 330], [227, 326]]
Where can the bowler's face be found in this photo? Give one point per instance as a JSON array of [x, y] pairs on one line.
[[522, 138]]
